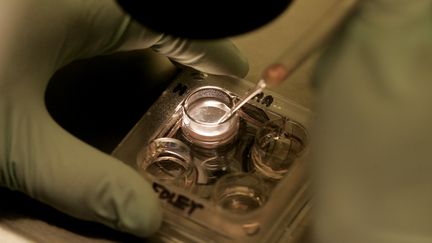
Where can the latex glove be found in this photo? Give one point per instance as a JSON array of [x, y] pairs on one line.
[[36, 155], [373, 136]]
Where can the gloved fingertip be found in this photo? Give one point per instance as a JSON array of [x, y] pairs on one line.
[[123, 200], [143, 216], [227, 59], [242, 68]]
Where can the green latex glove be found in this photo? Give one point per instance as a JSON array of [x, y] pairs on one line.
[[373, 136], [41, 159]]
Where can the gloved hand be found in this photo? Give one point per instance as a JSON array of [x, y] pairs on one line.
[[373, 134], [37, 156]]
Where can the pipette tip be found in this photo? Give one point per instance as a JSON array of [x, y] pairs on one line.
[[260, 86]]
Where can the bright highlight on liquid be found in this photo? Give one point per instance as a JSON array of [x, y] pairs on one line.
[[206, 112]]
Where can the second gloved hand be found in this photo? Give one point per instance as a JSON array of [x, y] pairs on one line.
[[41, 159], [372, 161]]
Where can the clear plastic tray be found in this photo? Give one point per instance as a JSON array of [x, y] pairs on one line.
[[190, 212]]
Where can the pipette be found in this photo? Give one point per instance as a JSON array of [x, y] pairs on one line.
[[312, 38]]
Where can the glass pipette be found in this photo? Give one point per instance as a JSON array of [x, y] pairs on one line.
[[312, 38]]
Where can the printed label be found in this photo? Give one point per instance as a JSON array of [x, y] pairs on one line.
[[179, 201]]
